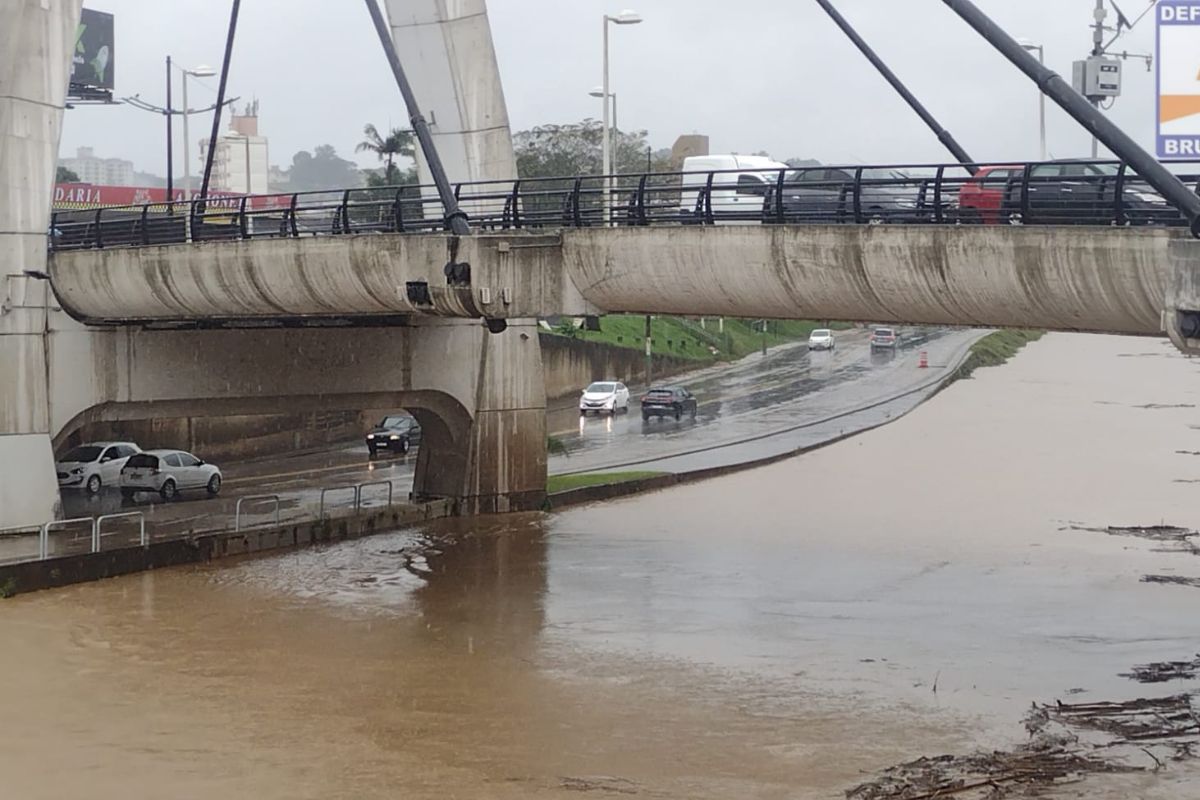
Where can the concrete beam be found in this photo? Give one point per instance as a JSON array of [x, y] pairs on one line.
[[337, 276], [1065, 278]]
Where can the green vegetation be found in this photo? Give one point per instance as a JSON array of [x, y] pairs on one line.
[[555, 446], [684, 337], [8, 588], [996, 348], [563, 483]]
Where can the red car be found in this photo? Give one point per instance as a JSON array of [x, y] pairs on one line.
[[981, 198]]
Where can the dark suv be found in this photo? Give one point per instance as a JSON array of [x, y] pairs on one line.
[[395, 433], [668, 401]]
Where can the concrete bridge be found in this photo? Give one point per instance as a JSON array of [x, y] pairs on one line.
[[242, 323]]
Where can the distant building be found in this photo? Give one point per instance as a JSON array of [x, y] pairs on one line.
[[107, 171], [240, 161]]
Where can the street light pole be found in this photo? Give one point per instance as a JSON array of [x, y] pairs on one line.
[[1041, 51], [170, 166], [198, 72], [624, 18]]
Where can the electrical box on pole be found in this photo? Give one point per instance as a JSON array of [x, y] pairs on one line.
[[1097, 78]]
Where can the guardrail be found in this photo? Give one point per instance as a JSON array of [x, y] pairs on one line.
[[1044, 193], [97, 527], [237, 510], [390, 491], [44, 535], [357, 489]]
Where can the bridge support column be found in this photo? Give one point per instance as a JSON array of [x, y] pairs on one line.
[[36, 41], [498, 463], [1181, 317]]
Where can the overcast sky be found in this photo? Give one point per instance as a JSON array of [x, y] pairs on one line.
[[773, 75]]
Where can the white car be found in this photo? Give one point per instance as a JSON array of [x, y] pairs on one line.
[[168, 472], [604, 397], [94, 465], [821, 339]]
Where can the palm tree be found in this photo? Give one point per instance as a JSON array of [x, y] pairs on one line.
[[398, 143]]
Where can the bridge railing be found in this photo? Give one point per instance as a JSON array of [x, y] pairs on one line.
[[1050, 193]]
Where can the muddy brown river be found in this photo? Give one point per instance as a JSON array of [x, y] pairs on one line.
[[785, 632]]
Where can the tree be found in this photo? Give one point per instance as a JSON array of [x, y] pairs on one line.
[[552, 151], [397, 143], [321, 169], [64, 175]]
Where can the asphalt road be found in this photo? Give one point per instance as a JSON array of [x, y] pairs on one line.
[[759, 407]]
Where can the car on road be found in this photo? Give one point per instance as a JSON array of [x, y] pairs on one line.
[[168, 472], [604, 397], [821, 339], [884, 339], [668, 401], [94, 465], [396, 433]]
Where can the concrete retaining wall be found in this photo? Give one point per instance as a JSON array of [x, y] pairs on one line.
[[571, 364]]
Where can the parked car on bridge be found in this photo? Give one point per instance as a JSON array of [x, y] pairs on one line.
[[668, 401], [821, 339], [981, 198], [604, 397], [736, 193], [396, 433], [168, 472], [884, 339], [826, 194], [1076, 192], [94, 465]]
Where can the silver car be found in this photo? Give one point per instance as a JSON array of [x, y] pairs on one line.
[[168, 472]]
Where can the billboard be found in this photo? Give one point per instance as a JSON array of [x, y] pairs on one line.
[[87, 196], [92, 61]]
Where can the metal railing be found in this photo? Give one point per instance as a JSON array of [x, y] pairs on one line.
[[1047, 193], [97, 528], [357, 489], [254, 498], [329, 490], [390, 491], [95, 532], [44, 534]]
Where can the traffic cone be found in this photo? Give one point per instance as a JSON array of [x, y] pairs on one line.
[[924, 362]]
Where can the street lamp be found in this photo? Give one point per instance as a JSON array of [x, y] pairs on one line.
[[1041, 51], [599, 92], [202, 71], [626, 17]]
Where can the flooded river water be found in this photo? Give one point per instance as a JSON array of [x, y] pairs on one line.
[[785, 632]]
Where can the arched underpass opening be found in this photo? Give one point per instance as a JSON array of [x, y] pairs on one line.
[[292, 447]]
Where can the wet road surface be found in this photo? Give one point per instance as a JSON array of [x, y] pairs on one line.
[[758, 407], [775, 633]]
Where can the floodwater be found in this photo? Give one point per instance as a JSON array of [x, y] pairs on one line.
[[777, 633]]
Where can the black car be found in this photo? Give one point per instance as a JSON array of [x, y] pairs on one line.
[[668, 401], [1070, 192], [395, 433], [827, 195]]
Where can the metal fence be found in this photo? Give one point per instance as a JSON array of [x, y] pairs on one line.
[[1048, 193]]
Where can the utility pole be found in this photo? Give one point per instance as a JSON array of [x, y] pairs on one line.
[[1098, 50], [649, 360]]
